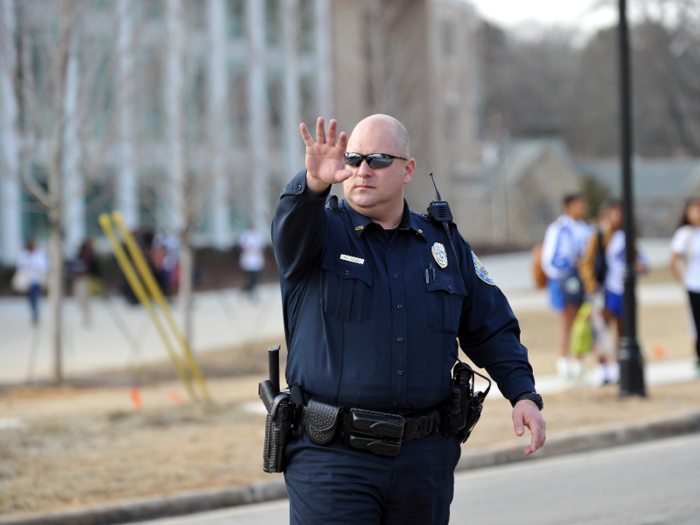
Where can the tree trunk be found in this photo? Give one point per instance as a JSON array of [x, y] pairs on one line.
[[55, 294]]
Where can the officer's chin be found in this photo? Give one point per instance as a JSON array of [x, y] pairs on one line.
[[362, 199]]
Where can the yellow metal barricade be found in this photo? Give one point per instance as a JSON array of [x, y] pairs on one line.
[[187, 368], [157, 294]]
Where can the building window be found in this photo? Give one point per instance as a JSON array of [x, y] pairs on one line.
[[99, 5], [150, 92], [235, 18], [100, 87], [275, 108], [306, 29], [149, 202], [306, 93], [35, 220], [273, 25], [195, 106], [152, 9], [99, 199], [238, 106], [196, 12]]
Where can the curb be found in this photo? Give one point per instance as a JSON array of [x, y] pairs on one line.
[[175, 504], [584, 440], [188, 502]]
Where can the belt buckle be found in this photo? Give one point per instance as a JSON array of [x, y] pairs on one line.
[[378, 432]]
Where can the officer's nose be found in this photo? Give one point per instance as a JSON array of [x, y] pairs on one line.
[[365, 170]]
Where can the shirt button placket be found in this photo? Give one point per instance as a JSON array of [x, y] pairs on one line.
[[399, 323]]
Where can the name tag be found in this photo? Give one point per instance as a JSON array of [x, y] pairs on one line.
[[352, 259]]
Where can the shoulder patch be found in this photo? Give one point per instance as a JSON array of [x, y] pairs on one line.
[[481, 271]]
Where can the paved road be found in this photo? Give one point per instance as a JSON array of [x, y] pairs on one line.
[[648, 484]]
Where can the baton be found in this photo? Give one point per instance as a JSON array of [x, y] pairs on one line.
[[274, 364]]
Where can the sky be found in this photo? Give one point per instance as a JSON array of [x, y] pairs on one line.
[[578, 13]]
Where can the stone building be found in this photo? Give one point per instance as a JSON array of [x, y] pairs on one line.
[[517, 194], [416, 60], [660, 186]]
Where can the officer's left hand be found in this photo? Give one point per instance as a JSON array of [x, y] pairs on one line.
[[526, 414]]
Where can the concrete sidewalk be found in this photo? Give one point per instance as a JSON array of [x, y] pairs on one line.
[[121, 335]]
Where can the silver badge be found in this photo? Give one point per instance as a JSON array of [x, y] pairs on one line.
[[440, 254]]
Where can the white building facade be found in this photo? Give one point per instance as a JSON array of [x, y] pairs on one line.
[[203, 107], [184, 114]]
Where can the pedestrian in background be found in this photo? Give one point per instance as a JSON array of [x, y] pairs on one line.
[[166, 253], [86, 274], [34, 266], [685, 248], [252, 258], [564, 247], [604, 268]]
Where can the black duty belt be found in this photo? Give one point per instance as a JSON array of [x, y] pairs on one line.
[[291, 412], [382, 433]]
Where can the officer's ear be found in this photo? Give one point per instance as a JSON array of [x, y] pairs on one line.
[[410, 169]]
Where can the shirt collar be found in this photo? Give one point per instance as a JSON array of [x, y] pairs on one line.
[[409, 221]]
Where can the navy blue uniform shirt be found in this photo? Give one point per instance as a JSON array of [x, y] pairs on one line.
[[371, 320]]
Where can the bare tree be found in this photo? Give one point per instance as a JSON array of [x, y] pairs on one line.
[[197, 185], [63, 79], [552, 82]]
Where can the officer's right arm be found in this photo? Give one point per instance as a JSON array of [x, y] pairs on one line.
[[298, 227]]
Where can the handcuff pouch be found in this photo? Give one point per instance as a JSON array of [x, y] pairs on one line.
[[321, 421]]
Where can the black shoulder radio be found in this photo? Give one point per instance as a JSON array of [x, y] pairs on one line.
[[439, 211]]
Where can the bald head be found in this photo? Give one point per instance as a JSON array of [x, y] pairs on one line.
[[391, 130]]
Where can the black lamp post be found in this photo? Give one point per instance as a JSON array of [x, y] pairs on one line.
[[630, 355]]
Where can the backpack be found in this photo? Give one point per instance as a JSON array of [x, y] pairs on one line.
[[538, 274], [600, 265], [582, 332]]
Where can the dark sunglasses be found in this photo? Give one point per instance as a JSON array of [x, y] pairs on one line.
[[374, 160]]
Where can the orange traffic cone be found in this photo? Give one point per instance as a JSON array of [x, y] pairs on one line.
[[659, 352], [175, 397], [136, 398]]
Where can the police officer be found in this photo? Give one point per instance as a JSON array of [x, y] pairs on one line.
[[375, 302]]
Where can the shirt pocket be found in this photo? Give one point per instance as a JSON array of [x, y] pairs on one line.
[[347, 290], [445, 299]]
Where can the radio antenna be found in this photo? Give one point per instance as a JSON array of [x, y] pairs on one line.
[[437, 193]]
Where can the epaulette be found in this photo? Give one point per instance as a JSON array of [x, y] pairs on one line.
[[332, 203]]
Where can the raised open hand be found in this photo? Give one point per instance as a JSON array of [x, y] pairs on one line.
[[324, 158]]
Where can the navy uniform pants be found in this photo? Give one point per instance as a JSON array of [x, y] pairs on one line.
[[335, 484]]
